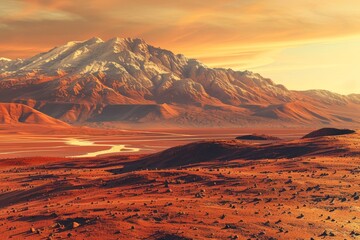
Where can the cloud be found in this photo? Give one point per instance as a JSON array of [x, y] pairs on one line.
[[223, 33], [16, 10], [185, 25]]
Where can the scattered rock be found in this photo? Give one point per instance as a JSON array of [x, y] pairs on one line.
[[75, 225]]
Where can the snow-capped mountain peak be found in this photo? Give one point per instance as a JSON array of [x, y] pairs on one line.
[[126, 70], [5, 59], [136, 70]]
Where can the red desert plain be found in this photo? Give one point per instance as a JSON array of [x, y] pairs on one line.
[[216, 187]]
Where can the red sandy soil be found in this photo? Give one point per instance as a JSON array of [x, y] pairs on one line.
[[302, 195], [32, 140]]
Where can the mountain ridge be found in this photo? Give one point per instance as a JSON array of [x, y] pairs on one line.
[[122, 71], [15, 113]]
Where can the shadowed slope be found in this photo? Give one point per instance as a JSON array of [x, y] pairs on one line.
[[13, 113], [221, 150], [328, 132], [135, 113], [257, 137]]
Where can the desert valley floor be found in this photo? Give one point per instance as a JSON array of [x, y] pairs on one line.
[[21, 141], [213, 189]]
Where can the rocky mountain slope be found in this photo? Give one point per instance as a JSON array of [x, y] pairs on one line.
[[81, 81], [12, 113]]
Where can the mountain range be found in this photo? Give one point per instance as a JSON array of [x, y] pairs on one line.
[[127, 80]]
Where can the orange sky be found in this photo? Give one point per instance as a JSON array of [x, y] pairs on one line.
[[302, 44]]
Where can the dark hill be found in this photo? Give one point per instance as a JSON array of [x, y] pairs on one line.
[[323, 132], [227, 150], [258, 137]]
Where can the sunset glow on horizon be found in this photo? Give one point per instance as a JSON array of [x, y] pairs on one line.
[[301, 44]]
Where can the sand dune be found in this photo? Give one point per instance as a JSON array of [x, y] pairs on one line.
[[220, 150], [328, 132]]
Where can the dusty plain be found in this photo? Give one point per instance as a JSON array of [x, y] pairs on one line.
[[282, 193]]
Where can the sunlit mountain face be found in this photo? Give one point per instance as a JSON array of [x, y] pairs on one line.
[[124, 79], [302, 45]]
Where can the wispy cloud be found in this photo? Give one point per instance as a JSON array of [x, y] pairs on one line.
[[30, 11], [226, 33], [185, 25]]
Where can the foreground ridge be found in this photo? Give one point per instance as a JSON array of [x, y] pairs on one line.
[[224, 194]]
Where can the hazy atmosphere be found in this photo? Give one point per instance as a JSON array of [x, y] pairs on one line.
[[301, 44]]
